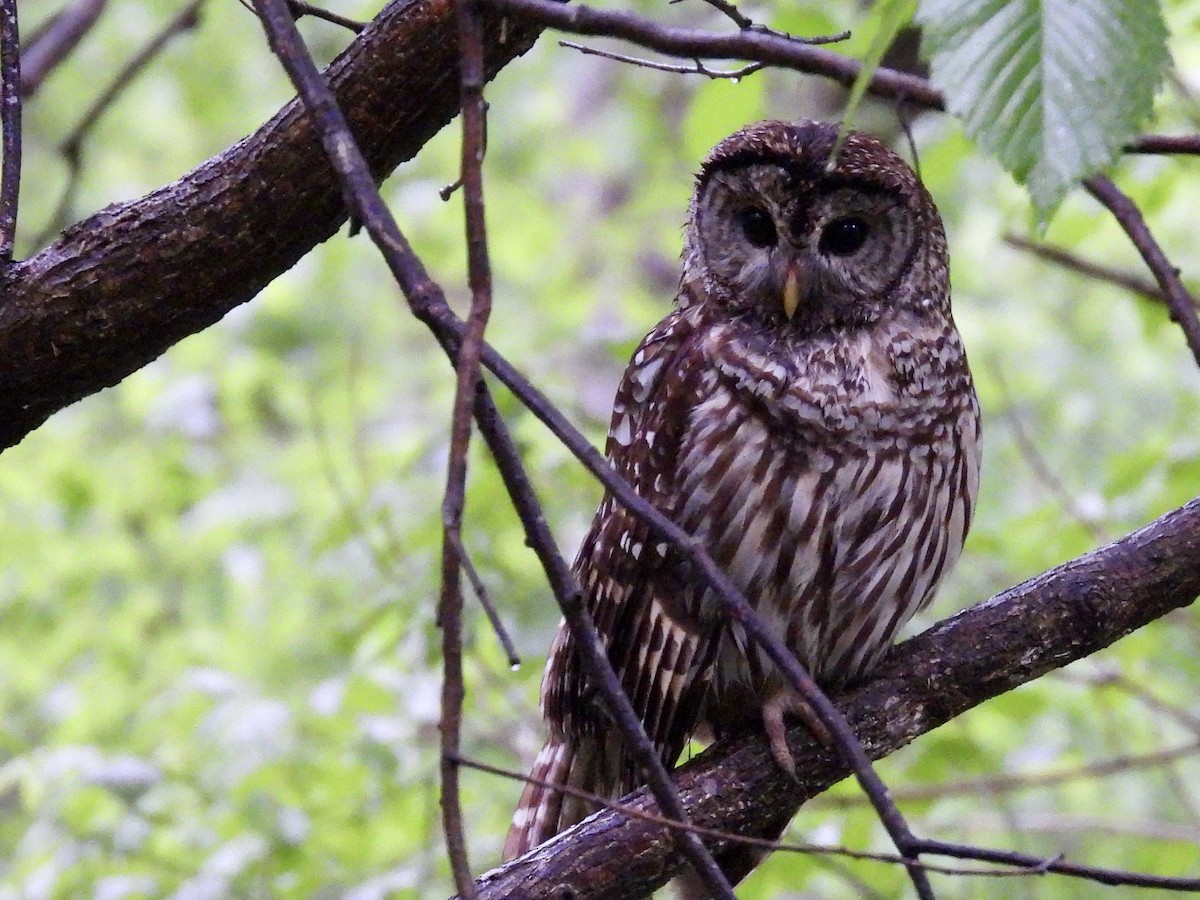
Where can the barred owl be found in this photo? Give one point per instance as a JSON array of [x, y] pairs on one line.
[[806, 411]]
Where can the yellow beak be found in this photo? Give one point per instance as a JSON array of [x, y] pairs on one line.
[[792, 290]]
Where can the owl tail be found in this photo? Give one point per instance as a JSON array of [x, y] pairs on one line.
[[543, 812]]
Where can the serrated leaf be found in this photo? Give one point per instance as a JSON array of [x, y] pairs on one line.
[[887, 18], [1052, 88]]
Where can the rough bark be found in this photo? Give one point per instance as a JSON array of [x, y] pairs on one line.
[[119, 288], [1065, 614]]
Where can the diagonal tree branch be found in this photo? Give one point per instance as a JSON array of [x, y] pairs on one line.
[[1061, 616], [116, 290]]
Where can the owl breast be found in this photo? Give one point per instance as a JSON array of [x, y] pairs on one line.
[[834, 481]]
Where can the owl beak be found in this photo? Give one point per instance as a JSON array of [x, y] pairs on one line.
[[793, 290]]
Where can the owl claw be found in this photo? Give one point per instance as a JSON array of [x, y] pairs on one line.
[[777, 736], [773, 714]]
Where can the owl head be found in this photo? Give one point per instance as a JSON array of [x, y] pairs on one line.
[[778, 231]]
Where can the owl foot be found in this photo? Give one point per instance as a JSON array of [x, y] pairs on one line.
[[773, 713]]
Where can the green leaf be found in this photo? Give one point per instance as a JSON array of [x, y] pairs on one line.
[[887, 18], [1052, 89]]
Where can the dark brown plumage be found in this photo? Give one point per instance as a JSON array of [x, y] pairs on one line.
[[807, 412]]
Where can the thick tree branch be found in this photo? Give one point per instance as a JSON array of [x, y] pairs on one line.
[[119, 288], [1045, 623]]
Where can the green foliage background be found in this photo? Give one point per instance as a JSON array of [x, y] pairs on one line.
[[218, 664]]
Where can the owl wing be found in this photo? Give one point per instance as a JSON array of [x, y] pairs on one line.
[[639, 591]]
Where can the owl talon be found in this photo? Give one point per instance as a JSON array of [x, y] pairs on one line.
[[777, 736], [814, 724], [773, 713]]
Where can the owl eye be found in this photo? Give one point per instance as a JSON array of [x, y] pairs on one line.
[[842, 237], [757, 226]]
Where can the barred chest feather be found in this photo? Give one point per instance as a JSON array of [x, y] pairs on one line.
[[835, 480]]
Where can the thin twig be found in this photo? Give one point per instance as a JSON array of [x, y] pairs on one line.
[[1043, 472], [1181, 303], [730, 11], [300, 8], [10, 125], [697, 68], [54, 42], [471, 80], [448, 191], [745, 23], [1143, 287], [1165, 144], [489, 608]]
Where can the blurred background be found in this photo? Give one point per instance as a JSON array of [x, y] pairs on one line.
[[219, 671]]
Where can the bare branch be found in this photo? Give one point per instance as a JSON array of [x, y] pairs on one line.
[[300, 8], [697, 68], [751, 45], [744, 22], [1165, 144], [489, 608], [471, 69]]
